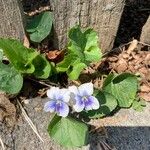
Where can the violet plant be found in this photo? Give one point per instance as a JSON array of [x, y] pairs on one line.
[[58, 99], [64, 103], [86, 102], [81, 98], [68, 104]]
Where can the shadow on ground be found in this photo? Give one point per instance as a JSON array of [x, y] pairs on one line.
[[123, 138]]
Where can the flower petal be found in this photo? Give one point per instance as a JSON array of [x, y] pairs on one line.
[[86, 89], [53, 93], [79, 104], [73, 89], [65, 94], [92, 103], [73, 92], [62, 109], [50, 106]]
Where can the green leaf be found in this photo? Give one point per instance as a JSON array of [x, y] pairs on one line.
[[108, 80], [40, 26], [66, 63], [72, 65], [82, 49], [124, 88], [10, 80], [75, 69], [84, 44], [68, 131], [92, 51], [20, 56], [1, 55], [138, 105], [42, 67], [107, 104], [25, 60]]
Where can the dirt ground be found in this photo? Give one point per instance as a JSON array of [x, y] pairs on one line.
[[126, 130]]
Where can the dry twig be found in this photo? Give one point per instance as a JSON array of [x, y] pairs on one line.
[[43, 83], [29, 121], [2, 144]]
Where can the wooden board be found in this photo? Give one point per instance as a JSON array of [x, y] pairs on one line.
[[145, 35], [11, 24], [102, 15]]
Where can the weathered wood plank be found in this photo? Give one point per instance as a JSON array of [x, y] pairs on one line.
[[145, 35], [102, 15], [11, 21]]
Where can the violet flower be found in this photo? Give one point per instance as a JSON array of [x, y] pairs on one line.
[[58, 101], [82, 97]]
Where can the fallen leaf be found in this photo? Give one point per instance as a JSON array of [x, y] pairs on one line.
[[147, 60], [125, 55], [145, 88], [143, 70], [122, 66], [145, 96], [132, 46], [113, 59], [56, 55], [7, 111]]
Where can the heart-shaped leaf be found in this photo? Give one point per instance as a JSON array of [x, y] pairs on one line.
[[68, 131], [84, 44], [10, 80], [124, 88], [42, 67], [40, 26]]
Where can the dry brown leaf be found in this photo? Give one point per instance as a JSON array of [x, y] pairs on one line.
[[145, 96], [147, 59], [145, 88], [7, 110], [122, 67], [143, 70], [55, 55], [113, 59], [26, 42], [132, 46], [125, 55]]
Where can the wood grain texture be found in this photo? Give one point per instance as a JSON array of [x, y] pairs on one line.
[[102, 15], [145, 35], [11, 21]]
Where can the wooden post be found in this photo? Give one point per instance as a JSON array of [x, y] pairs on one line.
[[11, 21], [102, 15], [145, 35]]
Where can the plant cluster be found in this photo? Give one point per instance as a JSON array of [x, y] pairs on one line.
[[119, 90]]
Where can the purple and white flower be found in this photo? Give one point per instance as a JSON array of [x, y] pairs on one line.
[[58, 101], [82, 97]]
